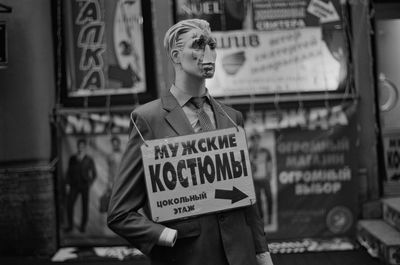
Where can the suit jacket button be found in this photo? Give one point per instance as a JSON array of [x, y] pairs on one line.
[[221, 218]]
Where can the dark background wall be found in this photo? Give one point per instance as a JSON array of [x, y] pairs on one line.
[[27, 84], [27, 87]]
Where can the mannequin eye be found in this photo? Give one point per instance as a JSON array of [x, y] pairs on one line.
[[198, 44], [212, 44]]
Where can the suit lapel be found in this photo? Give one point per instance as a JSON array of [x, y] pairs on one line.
[[175, 116]]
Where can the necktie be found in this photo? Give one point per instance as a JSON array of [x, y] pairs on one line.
[[204, 120]]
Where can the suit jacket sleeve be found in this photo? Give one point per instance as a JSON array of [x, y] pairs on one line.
[[253, 217], [129, 194]]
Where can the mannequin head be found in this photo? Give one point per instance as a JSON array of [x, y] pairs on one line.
[[191, 48]]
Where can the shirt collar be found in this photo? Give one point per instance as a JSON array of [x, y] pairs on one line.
[[183, 97]]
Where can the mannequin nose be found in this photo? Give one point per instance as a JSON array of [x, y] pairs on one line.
[[209, 55]]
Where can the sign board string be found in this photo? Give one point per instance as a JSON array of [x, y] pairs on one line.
[[226, 114], [300, 103], [86, 102], [251, 106], [137, 129], [277, 107]]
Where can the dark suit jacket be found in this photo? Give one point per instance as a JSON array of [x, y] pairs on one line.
[[235, 235], [81, 173]]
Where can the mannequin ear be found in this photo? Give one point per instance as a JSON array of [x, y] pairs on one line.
[[175, 56]]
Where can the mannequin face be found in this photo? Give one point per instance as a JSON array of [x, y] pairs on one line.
[[197, 55]]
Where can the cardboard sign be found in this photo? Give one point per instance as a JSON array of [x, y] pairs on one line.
[[197, 174]]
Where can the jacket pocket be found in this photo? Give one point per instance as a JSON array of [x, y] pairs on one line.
[[188, 228]]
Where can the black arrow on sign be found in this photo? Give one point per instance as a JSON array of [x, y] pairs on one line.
[[234, 195]]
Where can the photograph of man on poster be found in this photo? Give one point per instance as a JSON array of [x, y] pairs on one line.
[[261, 166], [81, 174], [113, 159], [105, 150], [263, 159], [230, 237]]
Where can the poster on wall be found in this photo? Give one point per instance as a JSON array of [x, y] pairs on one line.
[[268, 47], [391, 145], [261, 144], [391, 150], [91, 149], [304, 170], [105, 47]]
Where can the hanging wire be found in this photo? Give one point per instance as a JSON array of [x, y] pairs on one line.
[[86, 102], [252, 115], [300, 103], [85, 112], [326, 101], [276, 102], [251, 106], [108, 108], [226, 114], [137, 129], [277, 107]]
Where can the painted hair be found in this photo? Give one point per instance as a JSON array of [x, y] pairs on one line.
[[171, 39]]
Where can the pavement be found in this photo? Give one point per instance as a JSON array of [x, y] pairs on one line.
[[348, 257]]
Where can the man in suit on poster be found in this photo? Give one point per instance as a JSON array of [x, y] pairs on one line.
[[81, 174], [261, 165], [234, 237], [113, 160]]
